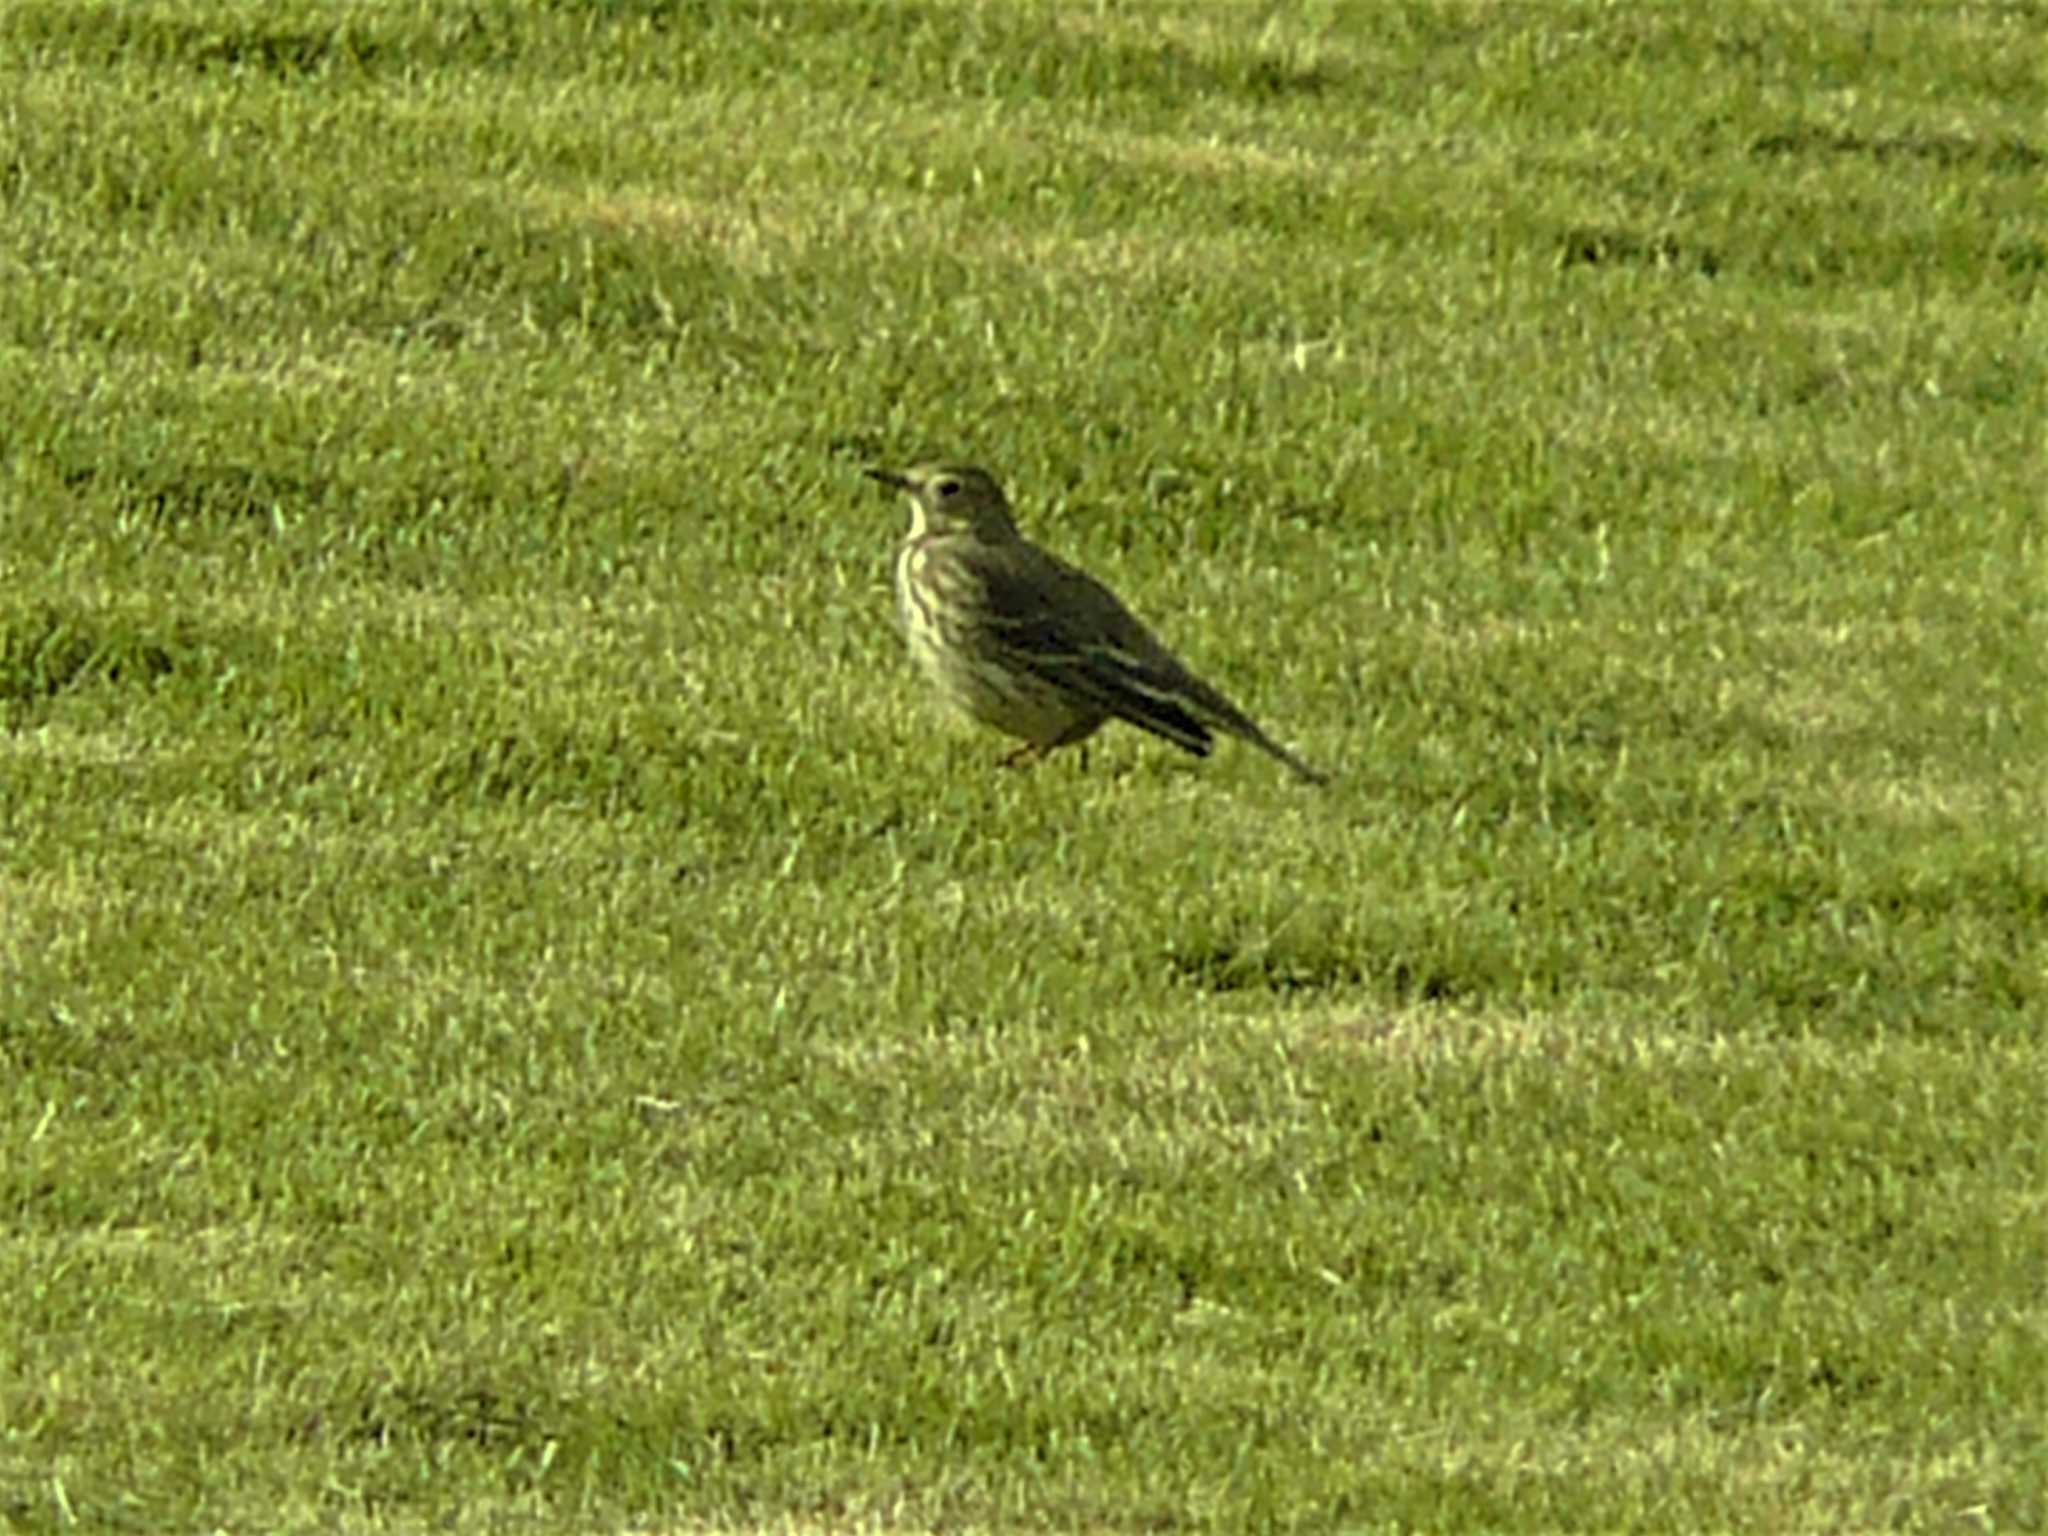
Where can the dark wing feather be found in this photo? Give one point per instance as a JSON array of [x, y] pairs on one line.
[[1064, 626]]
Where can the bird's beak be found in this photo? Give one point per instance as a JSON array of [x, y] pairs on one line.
[[890, 477]]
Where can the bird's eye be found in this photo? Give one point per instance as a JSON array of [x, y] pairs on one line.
[[948, 487]]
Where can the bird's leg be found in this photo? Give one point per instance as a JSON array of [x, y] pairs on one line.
[[1023, 757]]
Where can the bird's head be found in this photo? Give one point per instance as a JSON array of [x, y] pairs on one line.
[[952, 499]]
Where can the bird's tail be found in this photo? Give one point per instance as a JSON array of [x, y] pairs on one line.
[[1305, 772], [1224, 715]]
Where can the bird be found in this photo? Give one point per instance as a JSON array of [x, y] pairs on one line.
[[1035, 647]]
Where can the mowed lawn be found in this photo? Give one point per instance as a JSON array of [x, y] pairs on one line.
[[517, 1012]]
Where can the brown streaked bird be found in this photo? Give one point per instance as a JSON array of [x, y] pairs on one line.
[[1031, 645]]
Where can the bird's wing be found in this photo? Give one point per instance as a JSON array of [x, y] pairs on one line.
[[1061, 624], [1069, 629]]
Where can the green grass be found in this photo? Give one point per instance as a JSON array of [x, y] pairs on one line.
[[515, 1011]]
